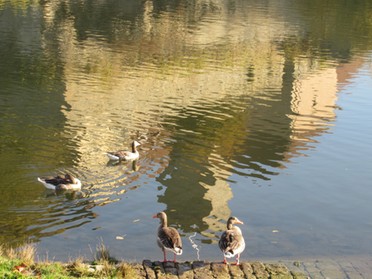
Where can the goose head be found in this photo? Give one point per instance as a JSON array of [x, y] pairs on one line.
[[232, 221], [162, 216]]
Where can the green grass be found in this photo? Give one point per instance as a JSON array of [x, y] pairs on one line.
[[20, 264]]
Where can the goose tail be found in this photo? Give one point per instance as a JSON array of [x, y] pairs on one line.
[[229, 254], [178, 251], [46, 185], [112, 157]]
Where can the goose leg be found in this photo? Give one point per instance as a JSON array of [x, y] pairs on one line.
[[165, 255], [224, 260], [237, 259], [174, 259]]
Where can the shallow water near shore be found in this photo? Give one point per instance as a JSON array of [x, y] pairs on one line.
[[258, 110]]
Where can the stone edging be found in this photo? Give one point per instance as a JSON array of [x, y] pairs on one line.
[[205, 270]]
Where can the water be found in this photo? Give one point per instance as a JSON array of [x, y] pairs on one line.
[[254, 109]]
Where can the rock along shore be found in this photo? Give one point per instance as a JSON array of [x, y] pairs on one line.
[[205, 270]]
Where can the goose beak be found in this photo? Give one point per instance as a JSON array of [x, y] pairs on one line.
[[155, 216]]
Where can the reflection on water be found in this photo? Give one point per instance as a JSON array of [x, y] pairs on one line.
[[226, 98]]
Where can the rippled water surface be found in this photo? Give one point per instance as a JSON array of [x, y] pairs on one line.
[[258, 109]]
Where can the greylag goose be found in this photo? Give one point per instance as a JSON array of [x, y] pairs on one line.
[[123, 155], [168, 238], [232, 242], [68, 182]]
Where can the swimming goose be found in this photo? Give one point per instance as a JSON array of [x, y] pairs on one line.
[[232, 242], [68, 182], [168, 238], [123, 155]]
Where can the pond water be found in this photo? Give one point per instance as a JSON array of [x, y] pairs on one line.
[[258, 109]]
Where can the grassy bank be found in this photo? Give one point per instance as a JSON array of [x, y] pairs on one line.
[[21, 263]]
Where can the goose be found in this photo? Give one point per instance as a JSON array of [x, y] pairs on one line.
[[168, 238], [68, 182], [232, 242], [123, 155]]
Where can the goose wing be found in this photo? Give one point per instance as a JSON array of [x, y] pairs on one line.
[[170, 239], [53, 180], [118, 155], [230, 242], [122, 153]]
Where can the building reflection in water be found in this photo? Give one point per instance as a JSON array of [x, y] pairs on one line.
[[197, 178]]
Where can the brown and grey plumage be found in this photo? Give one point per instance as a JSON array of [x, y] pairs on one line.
[[124, 155], [232, 241], [67, 182], [168, 238]]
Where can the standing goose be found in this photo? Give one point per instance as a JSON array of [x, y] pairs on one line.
[[58, 183], [232, 242], [168, 237], [123, 155]]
